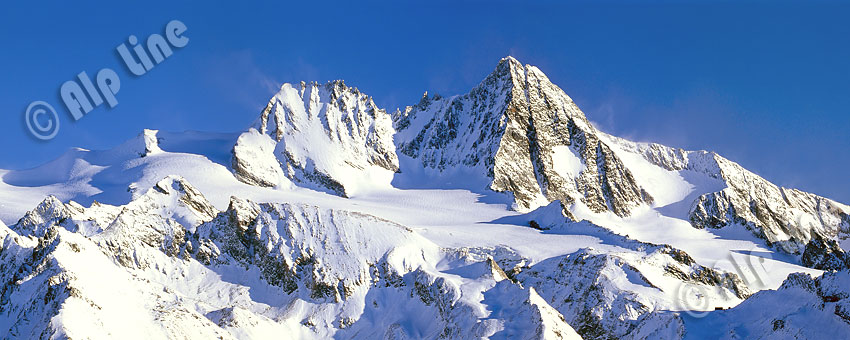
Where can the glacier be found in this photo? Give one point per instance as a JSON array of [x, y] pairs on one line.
[[501, 213]]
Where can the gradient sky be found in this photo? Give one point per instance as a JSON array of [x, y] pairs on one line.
[[765, 85]]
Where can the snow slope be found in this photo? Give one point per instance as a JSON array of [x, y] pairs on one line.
[[509, 129], [327, 137], [253, 270], [505, 214], [728, 197], [811, 309]]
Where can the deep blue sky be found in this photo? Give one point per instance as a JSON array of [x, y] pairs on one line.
[[765, 85]]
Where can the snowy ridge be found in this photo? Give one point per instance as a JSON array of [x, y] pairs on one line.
[[623, 292], [505, 214], [510, 128], [330, 137], [786, 218], [251, 271], [316, 272], [813, 308]]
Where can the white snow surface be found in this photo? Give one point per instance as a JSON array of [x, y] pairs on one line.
[[455, 219], [159, 237], [325, 137], [566, 163]]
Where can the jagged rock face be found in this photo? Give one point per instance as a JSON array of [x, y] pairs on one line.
[[161, 267], [339, 259], [330, 137], [525, 134], [786, 218], [71, 216], [160, 218], [328, 253], [48, 281], [824, 254], [317, 273], [62, 285], [49, 212]]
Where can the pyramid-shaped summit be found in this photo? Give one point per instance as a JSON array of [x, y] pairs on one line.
[[166, 261], [527, 136]]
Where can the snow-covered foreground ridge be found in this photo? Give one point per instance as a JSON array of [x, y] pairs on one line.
[[500, 213]]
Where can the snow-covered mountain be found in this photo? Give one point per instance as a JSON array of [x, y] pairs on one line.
[[328, 137], [504, 214], [527, 136], [787, 219], [531, 140], [178, 264]]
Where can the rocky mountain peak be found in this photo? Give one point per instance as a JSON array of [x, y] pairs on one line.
[[527, 136], [525, 81], [49, 212], [176, 195], [329, 137], [508, 69], [402, 263], [788, 220], [242, 212]]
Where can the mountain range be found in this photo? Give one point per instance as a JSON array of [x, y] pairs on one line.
[[499, 213]]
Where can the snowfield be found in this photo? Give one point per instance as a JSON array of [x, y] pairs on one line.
[[502, 213]]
